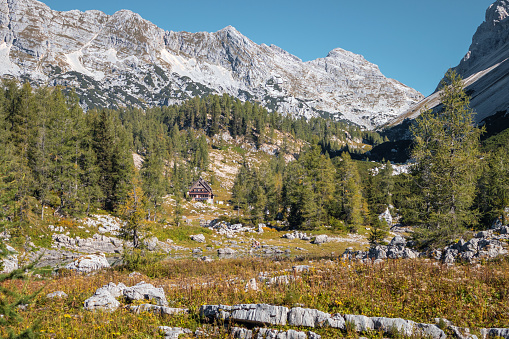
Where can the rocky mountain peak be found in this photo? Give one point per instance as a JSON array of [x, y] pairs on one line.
[[124, 59], [497, 12]]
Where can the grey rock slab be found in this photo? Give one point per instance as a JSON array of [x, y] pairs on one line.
[[307, 317], [429, 331], [89, 263], [10, 263], [259, 314], [173, 332], [115, 290], [336, 321], [321, 239], [221, 312], [241, 333], [104, 302], [198, 237], [158, 310], [56, 294], [495, 332], [361, 322], [265, 333], [394, 325], [145, 291], [226, 251]]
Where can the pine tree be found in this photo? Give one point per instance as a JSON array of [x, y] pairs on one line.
[[349, 193], [446, 155], [133, 212], [493, 197]]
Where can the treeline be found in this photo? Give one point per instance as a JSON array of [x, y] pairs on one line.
[[452, 187]]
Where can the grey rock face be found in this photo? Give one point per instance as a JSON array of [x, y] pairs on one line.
[[221, 312], [56, 294], [241, 333], [104, 302], [10, 263], [98, 243], [89, 263], [198, 238], [145, 291], [484, 68], [336, 321], [173, 332], [226, 251], [321, 239], [115, 290], [259, 314], [395, 325], [307, 317], [256, 314], [157, 310], [361, 323], [123, 51], [276, 334], [495, 332], [430, 331]]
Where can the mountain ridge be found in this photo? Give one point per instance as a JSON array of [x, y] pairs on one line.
[[126, 58], [484, 68]]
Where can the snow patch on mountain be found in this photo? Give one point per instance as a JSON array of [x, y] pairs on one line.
[[6, 66]]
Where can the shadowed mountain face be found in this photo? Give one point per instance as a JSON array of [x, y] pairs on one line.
[[485, 69], [124, 60]]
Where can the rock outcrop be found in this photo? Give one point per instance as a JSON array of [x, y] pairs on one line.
[[485, 245], [263, 314], [10, 263], [89, 263]]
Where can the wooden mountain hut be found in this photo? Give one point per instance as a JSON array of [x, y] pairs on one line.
[[200, 190]]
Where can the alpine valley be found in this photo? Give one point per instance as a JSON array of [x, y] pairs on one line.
[[124, 59]]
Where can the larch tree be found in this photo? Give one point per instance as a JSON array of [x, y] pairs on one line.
[[447, 157]]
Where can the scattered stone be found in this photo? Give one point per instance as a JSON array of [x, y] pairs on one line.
[[10, 263], [361, 323], [387, 325], [158, 310], [321, 239], [495, 333], [276, 334], [56, 294], [251, 285], [241, 333], [115, 290], [173, 332], [104, 302], [98, 243], [307, 317], [386, 216], [226, 251], [198, 237], [145, 291], [255, 314], [89, 263], [259, 314]]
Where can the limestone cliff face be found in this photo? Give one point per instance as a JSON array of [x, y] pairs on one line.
[[123, 60], [484, 68]]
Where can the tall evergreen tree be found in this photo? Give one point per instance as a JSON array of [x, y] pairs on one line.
[[446, 154]]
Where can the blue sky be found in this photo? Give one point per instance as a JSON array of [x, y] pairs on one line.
[[412, 41]]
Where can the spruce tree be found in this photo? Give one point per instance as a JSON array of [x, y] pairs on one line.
[[446, 154]]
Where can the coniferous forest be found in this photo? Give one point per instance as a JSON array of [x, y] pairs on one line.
[[55, 154]]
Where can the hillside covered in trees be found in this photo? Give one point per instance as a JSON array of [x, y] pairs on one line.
[[56, 155]]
